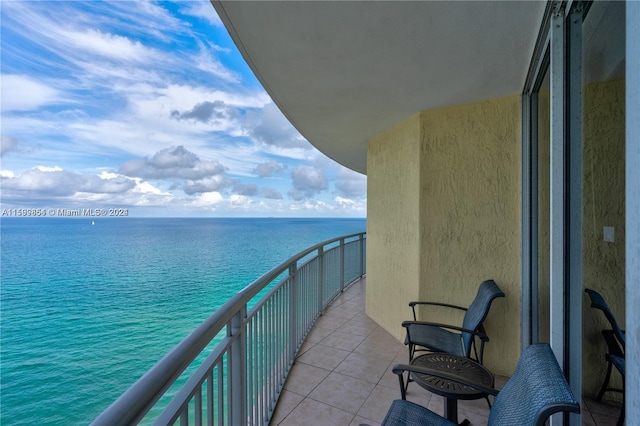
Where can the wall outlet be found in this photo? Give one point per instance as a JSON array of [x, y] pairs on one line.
[[608, 234]]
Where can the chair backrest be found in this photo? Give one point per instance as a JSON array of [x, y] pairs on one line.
[[536, 390], [598, 302], [478, 310]]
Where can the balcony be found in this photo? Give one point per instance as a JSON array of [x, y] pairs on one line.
[[294, 347], [342, 374]]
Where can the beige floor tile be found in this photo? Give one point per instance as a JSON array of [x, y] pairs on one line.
[[341, 340], [354, 328], [418, 395], [390, 380], [344, 392], [380, 348], [323, 356], [357, 421], [344, 311], [304, 378], [360, 324], [331, 323], [376, 406], [363, 367], [317, 334], [475, 419], [287, 402], [436, 404], [305, 347], [478, 406], [310, 412]]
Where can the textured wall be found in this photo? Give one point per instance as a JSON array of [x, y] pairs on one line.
[[393, 246], [603, 205], [444, 214], [470, 215]]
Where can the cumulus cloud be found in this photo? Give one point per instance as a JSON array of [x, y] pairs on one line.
[[208, 184], [269, 168], [307, 182], [57, 182], [350, 184], [249, 190], [271, 194], [208, 199], [173, 162], [208, 112], [269, 126]]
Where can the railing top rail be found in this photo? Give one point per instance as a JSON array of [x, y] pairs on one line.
[[133, 405]]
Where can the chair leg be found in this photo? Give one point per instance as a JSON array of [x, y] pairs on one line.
[[604, 388]]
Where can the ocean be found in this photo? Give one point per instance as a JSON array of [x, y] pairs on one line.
[[86, 309]]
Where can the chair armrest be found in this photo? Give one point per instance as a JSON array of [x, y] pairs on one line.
[[477, 333], [445, 305], [401, 368]]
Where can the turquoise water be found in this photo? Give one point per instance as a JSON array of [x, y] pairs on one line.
[[87, 309]]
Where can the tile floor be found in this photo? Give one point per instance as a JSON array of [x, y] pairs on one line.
[[342, 375]]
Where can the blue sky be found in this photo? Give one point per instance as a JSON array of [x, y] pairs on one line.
[[149, 106]]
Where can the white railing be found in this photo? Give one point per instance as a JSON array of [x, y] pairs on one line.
[[241, 355]]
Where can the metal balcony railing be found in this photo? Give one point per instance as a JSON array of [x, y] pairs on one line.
[[241, 355]]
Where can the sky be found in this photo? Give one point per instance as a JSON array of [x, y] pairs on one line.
[[149, 107]]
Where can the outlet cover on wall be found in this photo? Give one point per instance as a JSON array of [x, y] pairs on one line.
[[608, 234]]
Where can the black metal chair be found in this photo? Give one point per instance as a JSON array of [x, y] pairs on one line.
[[456, 340], [616, 340], [536, 390]]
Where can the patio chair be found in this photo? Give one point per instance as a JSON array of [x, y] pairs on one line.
[[616, 340], [456, 340], [536, 390]]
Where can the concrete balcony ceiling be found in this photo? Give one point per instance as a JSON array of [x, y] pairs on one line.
[[344, 72]]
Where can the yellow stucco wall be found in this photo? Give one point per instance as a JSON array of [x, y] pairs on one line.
[[603, 263], [393, 246], [462, 222]]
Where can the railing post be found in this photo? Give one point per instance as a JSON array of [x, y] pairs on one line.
[[362, 255], [237, 368], [320, 279], [293, 311], [341, 265]]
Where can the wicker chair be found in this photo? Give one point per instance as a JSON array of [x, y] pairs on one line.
[[456, 340], [616, 341], [536, 390]]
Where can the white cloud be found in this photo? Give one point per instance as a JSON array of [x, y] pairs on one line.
[[8, 144], [272, 194], [269, 168], [307, 182], [351, 184], [203, 10], [23, 93], [112, 46], [54, 181], [173, 162], [270, 127], [207, 199], [111, 85]]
